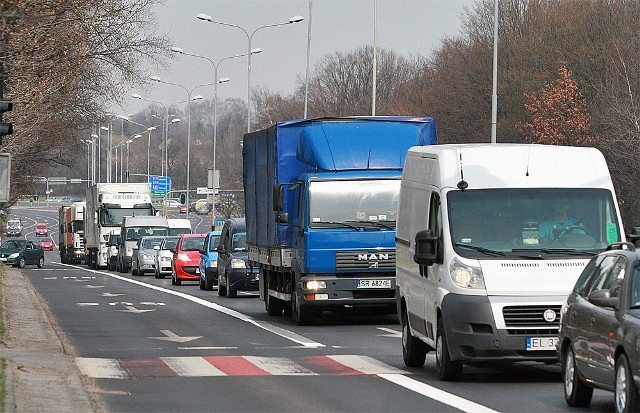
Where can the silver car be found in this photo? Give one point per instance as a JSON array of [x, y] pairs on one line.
[[164, 256], [143, 259]]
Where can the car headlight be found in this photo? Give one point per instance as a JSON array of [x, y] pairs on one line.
[[214, 264], [466, 276], [183, 257], [146, 256], [165, 259], [238, 263], [14, 255], [129, 251]]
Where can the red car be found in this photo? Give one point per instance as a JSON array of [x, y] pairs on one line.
[[42, 229], [186, 258], [46, 243], [182, 209]]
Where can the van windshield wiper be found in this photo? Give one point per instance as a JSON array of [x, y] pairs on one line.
[[480, 249], [375, 224], [560, 251]]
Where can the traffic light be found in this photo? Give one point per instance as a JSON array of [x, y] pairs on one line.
[[6, 128], [183, 198]]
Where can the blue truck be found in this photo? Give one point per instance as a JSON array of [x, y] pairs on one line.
[[321, 197]]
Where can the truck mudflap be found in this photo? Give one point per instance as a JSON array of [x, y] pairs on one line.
[[472, 335]]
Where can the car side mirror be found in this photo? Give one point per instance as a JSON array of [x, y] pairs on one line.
[[201, 251], [602, 298], [172, 250]]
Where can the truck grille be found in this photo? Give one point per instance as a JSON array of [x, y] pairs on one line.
[[530, 315], [364, 260]]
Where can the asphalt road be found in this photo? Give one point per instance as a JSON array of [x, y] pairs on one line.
[[150, 346]]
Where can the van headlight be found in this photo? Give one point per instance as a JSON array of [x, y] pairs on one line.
[[466, 276]]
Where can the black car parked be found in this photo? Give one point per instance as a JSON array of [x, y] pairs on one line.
[[234, 271], [599, 344]]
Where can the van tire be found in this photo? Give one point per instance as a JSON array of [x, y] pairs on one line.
[[414, 351], [448, 370]]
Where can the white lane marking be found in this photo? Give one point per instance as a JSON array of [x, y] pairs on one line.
[[171, 336], [392, 333], [86, 304], [192, 367], [279, 366], [289, 335], [366, 364], [436, 394], [110, 295], [132, 309], [101, 368], [207, 348]]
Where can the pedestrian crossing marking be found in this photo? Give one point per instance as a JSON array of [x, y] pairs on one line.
[[211, 366]]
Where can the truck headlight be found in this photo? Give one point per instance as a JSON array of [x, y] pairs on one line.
[[14, 255], [466, 276], [238, 263], [315, 285]]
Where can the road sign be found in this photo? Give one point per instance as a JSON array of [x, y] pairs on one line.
[[203, 190], [5, 175], [160, 185]]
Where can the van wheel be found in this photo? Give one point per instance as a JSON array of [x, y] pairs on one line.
[[626, 394], [414, 351], [448, 370]]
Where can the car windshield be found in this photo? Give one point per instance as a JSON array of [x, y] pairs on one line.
[[213, 244], [14, 244], [149, 243], [368, 203], [527, 222], [192, 244], [45, 239], [170, 243]]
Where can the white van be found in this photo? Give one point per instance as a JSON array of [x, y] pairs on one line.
[[179, 226], [483, 265]]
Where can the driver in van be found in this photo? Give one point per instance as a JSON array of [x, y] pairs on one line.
[[559, 223]]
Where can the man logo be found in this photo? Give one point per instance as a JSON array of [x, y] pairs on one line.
[[373, 257]]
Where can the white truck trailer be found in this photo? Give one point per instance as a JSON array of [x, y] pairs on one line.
[[106, 205]]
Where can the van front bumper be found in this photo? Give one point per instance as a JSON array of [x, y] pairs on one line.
[[472, 335]]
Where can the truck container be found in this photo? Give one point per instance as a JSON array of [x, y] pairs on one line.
[[320, 202], [106, 205], [71, 233]]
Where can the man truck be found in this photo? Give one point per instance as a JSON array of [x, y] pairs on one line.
[[320, 202], [71, 233], [107, 204]]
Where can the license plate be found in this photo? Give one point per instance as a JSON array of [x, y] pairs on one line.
[[541, 343], [373, 284], [197, 270]]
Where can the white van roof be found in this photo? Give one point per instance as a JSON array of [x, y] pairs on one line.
[[508, 165]]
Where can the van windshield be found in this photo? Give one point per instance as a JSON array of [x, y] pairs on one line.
[[535, 221], [135, 233], [361, 203]]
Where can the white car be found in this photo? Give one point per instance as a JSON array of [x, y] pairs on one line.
[[172, 203], [164, 256]]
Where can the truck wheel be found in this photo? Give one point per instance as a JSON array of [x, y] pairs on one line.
[[576, 392], [273, 305], [414, 351], [302, 314], [41, 262], [448, 370]]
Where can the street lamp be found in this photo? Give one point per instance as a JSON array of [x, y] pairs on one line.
[[99, 133], [206, 17], [215, 111], [152, 128], [128, 142], [189, 99], [89, 169]]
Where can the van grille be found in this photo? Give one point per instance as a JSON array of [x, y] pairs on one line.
[[529, 315], [364, 260]]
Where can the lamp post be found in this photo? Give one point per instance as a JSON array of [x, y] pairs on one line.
[[206, 17], [128, 142], [88, 142], [189, 99], [149, 130], [93, 156], [99, 137], [215, 110]]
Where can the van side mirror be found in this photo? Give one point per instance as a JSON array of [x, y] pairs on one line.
[[282, 218], [634, 236], [278, 198], [426, 248]]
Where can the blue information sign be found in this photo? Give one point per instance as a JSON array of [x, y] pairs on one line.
[[160, 185]]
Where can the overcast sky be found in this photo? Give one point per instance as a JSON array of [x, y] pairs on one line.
[[408, 27]]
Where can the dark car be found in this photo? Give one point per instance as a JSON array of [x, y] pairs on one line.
[[599, 345], [20, 252], [234, 271]]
